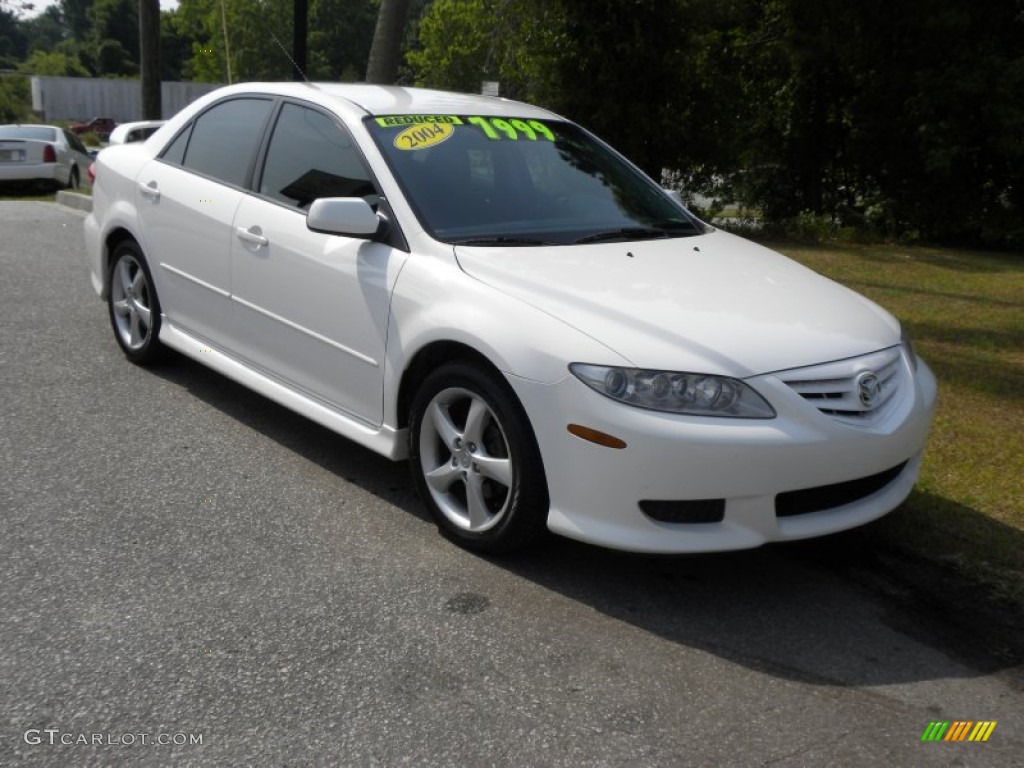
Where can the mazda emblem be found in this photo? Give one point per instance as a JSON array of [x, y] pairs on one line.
[[869, 389]]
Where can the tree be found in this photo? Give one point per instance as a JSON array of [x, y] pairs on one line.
[[386, 51], [54, 64], [340, 34], [611, 64], [516, 42], [115, 37], [45, 31], [244, 37], [13, 45], [76, 14], [15, 99]]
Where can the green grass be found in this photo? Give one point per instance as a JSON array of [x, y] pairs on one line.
[[965, 314]]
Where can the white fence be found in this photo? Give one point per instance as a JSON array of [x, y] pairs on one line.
[[81, 98]]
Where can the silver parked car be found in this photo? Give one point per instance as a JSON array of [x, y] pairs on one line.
[[42, 154]]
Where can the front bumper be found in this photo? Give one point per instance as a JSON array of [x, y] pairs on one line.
[[595, 491]]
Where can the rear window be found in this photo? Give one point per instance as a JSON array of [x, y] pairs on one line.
[[37, 132]]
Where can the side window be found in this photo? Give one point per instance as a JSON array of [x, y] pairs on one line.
[[175, 153], [309, 157], [75, 142], [225, 139]]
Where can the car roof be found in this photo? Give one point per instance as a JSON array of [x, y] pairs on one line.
[[125, 127], [394, 99]]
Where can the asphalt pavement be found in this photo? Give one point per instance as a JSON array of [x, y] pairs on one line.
[[183, 561]]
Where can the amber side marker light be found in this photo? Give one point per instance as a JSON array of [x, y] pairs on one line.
[[595, 436]]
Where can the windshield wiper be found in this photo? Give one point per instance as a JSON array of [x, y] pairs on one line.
[[502, 240], [625, 233]]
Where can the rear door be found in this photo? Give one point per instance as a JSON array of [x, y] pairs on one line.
[[187, 200]]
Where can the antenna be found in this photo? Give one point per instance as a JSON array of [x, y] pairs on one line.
[[289, 57]]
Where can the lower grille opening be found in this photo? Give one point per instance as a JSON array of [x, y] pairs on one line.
[[825, 497], [694, 511]]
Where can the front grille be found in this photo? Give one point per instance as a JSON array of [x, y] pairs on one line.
[[694, 511], [834, 389], [825, 497]]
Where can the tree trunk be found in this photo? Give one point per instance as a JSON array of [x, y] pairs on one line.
[[387, 42], [149, 56]]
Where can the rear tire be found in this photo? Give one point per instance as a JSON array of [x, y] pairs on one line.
[[475, 461], [133, 305]]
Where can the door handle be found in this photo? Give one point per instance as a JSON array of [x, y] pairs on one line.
[[150, 191], [252, 235]]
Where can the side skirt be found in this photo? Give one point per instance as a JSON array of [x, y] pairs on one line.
[[385, 440]]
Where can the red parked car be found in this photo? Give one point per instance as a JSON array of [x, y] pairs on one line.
[[101, 126]]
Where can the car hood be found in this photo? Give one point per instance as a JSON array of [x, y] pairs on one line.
[[714, 303]]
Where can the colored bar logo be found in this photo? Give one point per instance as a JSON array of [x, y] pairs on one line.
[[959, 730]]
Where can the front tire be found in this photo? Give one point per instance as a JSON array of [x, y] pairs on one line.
[[73, 179], [474, 460], [133, 305]]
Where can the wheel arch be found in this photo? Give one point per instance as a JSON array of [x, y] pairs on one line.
[[429, 358], [114, 238]]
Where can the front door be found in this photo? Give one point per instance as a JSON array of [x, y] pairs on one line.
[[311, 308]]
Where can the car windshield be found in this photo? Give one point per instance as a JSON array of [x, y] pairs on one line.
[[506, 181], [37, 132]]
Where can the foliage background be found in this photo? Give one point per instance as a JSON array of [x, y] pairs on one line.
[[896, 119], [904, 118]]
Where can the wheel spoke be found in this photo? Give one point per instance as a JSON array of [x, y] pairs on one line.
[[443, 424], [476, 419], [139, 282], [121, 307], [497, 469], [144, 314], [124, 272], [442, 478], [479, 515], [135, 333]]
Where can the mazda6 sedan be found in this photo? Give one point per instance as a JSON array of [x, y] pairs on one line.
[[490, 291]]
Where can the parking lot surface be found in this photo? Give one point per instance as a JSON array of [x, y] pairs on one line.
[[180, 558]]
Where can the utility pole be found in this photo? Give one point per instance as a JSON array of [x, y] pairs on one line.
[[149, 55], [300, 30], [227, 47]]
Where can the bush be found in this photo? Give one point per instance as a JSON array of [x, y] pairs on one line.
[[15, 99]]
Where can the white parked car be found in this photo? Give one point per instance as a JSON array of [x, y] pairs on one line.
[[128, 133], [42, 153], [487, 289]]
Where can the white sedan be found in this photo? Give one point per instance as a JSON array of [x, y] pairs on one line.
[[127, 133], [42, 153], [488, 290]]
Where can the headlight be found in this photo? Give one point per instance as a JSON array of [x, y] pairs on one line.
[[695, 394], [908, 348]]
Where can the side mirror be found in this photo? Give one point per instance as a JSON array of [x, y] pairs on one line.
[[349, 216]]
